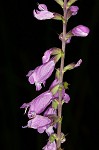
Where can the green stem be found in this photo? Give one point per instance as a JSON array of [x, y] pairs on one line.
[[61, 77]]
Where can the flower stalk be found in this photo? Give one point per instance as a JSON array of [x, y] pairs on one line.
[[61, 75], [45, 111]]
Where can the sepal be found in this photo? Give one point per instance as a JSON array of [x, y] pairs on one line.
[[56, 51], [66, 84], [67, 38], [55, 89], [70, 2], [58, 17], [57, 74], [55, 104], [60, 2], [52, 137], [69, 67], [57, 57]]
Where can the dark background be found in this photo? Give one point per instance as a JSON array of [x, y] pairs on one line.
[[24, 39]]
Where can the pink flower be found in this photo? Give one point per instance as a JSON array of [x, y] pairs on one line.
[[39, 122], [50, 146], [41, 73], [38, 105], [43, 13], [80, 30]]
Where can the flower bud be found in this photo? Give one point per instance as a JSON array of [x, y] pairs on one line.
[[72, 11], [72, 66], [80, 30]]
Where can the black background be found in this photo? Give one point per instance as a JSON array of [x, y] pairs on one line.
[[24, 39]]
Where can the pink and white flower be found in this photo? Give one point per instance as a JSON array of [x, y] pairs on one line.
[[80, 30], [39, 104], [43, 13], [40, 74]]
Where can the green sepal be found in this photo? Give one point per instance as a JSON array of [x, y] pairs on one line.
[[54, 89], [69, 67], [55, 104], [56, 51], [53, 137], [66, 84], [70, 2], [68, 35], [57, 119], [60, 2], [60, 87], [57, 57], [58, 17], [57, 74]]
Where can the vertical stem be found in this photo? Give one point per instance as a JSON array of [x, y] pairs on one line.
[[61, 77]]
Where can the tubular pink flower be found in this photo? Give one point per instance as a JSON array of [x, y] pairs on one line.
[[43, 13], [80, 30], [50, 146], [39, 122], [38, 105], [41, 74]]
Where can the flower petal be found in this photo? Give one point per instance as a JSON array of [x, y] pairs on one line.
[[50, 146], [42, 7], [66, 98], [43, 15], [46, 56]]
